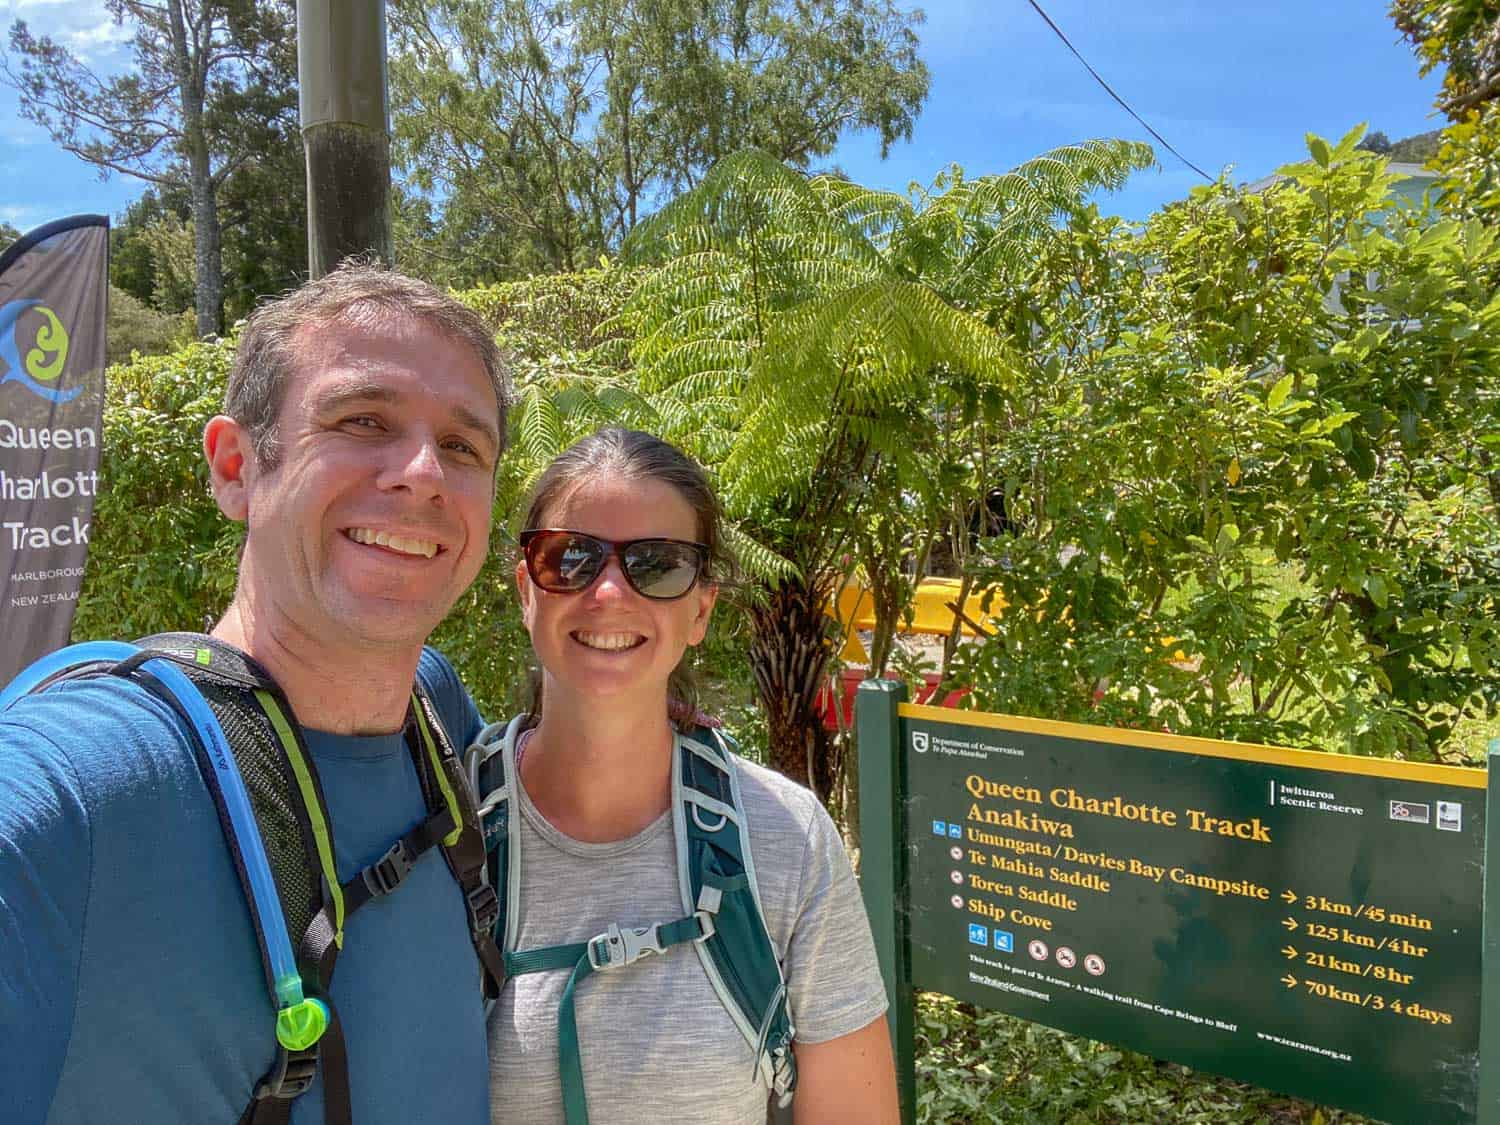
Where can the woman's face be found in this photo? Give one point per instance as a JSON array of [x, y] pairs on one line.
[[608, 641]]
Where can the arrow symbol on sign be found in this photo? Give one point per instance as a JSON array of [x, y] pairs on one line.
[[1289, 980], [1288, 896], [1289, 923], [1288, 951]]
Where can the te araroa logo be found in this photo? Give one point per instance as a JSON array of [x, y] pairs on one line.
[[44, 360]]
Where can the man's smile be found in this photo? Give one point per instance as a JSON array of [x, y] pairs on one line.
[[401, 544]]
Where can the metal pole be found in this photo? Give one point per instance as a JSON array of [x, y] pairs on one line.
[[1489, 955], [882, 865], [345, 130]]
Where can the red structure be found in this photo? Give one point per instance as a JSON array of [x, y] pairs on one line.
[[850, 680]]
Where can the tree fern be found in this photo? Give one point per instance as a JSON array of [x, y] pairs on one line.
[[797, 334]]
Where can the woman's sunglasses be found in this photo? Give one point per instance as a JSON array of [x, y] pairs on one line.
[[566, 562]]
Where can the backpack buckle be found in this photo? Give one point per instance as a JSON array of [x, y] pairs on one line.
[[291, 1075], [484, 908], [386, 873], [707, 927], [616, 946], [783, 1075]]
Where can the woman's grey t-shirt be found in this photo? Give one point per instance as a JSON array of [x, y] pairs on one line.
[[657, 1045]]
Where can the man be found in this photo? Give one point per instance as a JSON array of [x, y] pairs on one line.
[[363, 422]]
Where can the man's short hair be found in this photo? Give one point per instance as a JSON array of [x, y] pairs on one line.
[[357, 292]]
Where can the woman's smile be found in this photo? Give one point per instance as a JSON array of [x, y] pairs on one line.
[[607, 642]]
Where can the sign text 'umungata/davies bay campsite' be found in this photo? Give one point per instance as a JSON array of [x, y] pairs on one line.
[[1306, 922]]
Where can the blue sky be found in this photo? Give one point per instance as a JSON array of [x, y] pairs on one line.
[[1227, 84]]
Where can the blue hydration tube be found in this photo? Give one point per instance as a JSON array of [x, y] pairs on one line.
[[300, 1021]]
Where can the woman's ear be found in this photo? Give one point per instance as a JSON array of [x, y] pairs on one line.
[[525, 593], [703, 605]]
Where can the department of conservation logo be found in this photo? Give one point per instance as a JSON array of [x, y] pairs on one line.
[[919, 741], [42, 366]]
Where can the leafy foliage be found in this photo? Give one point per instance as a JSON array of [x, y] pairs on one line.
[[161, 556], [1462, 37], [1470, 162], [136, 327], [534, 135], [979, 1067], [1248, 471]]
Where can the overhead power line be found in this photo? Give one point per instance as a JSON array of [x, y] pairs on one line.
[[1110, 91]]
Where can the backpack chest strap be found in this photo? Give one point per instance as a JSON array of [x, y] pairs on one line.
[[615, 948], [390, 870]]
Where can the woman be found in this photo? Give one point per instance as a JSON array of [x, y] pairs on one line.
[[615, 585]]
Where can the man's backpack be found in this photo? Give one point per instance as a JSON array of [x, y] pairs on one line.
[[265, 787], [722, 916]]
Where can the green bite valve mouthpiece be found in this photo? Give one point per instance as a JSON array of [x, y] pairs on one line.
[[300, 1025]]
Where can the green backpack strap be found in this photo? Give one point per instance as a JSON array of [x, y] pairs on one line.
[[488, 764], [716, 872]]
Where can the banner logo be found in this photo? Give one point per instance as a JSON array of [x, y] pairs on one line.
[[44, 361]]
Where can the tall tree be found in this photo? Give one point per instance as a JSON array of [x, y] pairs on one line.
[[534, 134], [213, 82]]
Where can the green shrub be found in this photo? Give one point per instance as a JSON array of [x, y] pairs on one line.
[[978, 1067], [540, 317], [1250, 480], [160, 554], [135, 326]]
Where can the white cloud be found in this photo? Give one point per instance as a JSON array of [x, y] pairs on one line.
[[85, 27], [93, 44], [21, 217]]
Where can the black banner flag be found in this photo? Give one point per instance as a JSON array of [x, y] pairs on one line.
[[53, 287]]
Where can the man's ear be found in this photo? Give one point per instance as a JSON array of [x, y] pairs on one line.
[[229, 451]]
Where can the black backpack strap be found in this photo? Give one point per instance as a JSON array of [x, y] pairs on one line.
[[294, 1072], [463, 844]]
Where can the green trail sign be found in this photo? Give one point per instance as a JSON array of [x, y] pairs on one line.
[[1311, 923]]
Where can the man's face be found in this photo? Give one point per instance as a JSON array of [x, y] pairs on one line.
[[376, 516]]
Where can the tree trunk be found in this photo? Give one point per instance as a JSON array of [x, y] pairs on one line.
[[789, 654], [887, 585], [208, 271], [188, 66]]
